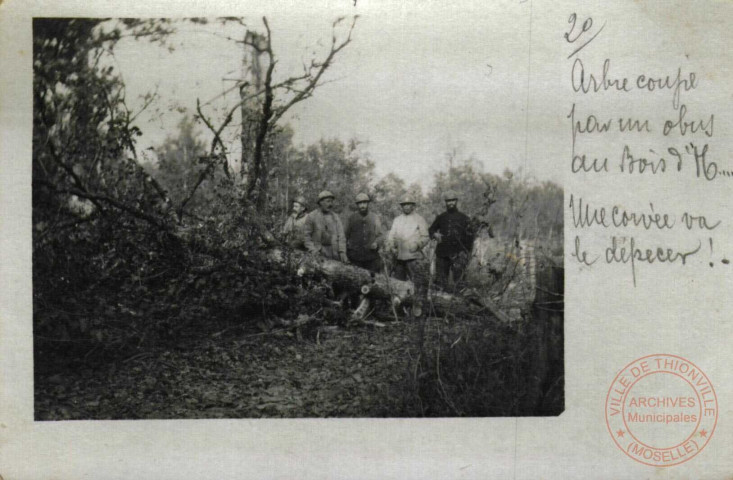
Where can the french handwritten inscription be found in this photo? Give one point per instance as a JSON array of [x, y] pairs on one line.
[[677, 145]]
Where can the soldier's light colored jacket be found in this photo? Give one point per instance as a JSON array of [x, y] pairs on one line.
[[408, 236], [324, 234]]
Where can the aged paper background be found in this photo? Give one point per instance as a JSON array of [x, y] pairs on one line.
[[682, 310]]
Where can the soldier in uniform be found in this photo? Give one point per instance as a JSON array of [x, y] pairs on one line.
[[364, 236], [452, 230], [293, 231], [406, 240], [324, 232]]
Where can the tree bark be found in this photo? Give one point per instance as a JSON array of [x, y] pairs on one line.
[[257, 187]]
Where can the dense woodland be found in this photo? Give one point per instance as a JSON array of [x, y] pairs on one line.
[[154, 292]]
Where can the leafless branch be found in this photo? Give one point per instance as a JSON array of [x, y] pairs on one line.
[[237, 20], [130, 144], [216, 142], [148, 102], [152, 181], [243, 100], [206, 32], [70, 172], [319, 67]]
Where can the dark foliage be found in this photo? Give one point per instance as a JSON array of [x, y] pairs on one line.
[[114, 267]]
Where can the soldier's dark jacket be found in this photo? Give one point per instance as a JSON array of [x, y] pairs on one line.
[[456, 233], [361, 232]]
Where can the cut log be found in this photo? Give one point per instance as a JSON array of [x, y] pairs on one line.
[[359, 280], [345, 275]]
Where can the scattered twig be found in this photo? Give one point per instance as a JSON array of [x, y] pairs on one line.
[[217, 334], [137, 357], [440, 381], [302, 321]]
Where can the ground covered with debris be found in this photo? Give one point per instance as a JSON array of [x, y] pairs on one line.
[[411, 367], [329, 372]]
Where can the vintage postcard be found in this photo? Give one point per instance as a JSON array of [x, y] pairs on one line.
[[366, 239]]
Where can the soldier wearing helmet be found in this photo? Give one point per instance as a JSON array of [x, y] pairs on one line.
[[452, 230], [409, 232], [324, 232], [293, 231], [364, 236], [406, 240]]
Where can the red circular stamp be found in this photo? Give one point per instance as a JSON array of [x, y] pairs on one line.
[[661, 410]]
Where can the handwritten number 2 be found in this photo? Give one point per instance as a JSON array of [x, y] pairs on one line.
[[573, 35], [587, 25]]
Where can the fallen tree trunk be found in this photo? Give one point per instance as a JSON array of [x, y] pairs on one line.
[[380, 286], [344, 275]]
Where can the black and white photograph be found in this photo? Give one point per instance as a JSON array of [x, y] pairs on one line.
[[290, 216], [374, 239]]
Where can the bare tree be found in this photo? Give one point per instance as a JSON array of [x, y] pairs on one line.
[[263, 101]]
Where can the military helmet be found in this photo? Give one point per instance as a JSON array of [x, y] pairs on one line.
[[362, 197], [407, 198], [301, 200], [450, 195], [325, 194]]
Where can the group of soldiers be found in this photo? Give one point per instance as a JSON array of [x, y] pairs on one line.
[[363, 242]]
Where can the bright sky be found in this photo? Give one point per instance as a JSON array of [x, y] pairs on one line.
[[413, 84], [421, 79]]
